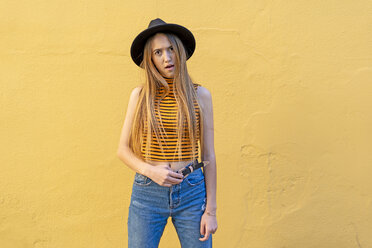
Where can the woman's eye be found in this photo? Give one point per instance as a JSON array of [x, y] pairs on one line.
[[157, 52], [171, 48]]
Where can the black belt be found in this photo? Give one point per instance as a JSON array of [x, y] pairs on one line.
[[192, 167]]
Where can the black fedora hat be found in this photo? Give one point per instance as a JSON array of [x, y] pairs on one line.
[[158, 25]]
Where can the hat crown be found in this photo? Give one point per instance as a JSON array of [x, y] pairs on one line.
[[156, 22]]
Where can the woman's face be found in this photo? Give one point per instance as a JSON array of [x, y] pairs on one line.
[[163, 55]]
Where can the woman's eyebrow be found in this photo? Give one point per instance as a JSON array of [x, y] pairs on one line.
[[161, 48]]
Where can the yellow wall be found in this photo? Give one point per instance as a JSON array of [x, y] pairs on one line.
[[291, 85]]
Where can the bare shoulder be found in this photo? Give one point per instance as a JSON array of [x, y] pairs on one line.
[[136, 91], [134, 97], [204, 95], [129, 117]]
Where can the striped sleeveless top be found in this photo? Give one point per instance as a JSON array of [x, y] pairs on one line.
[[168, 111]]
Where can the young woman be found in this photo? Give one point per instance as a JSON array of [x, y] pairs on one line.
[[166, 119]]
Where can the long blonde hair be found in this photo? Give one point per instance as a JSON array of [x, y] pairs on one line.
[[185, 95]]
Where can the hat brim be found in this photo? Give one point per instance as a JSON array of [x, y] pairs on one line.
[[183, 33]]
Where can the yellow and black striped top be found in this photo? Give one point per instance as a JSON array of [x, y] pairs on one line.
[[168, 111]]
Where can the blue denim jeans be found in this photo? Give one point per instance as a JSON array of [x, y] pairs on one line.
[[152, 204]]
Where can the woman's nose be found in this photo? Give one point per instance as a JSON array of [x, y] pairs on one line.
[[167, 56]]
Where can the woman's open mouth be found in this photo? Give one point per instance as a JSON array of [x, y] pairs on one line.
[[169, 67]]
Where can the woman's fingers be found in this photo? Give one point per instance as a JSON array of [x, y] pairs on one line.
[[170, 181], [169, 177], [176, 174], [174, 177], [202, 228], [206, 237], [204, 231], [165, 176], [173, 180]]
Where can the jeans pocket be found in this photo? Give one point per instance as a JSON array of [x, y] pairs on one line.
[[142, 180], [195, 178]]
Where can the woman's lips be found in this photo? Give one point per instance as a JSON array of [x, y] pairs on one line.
[[169, 67]]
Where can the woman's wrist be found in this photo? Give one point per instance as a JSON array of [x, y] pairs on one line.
[[211, 210], [147, 170], [211, 207], [210, 213]]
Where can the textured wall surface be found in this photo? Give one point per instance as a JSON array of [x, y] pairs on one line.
[[292, 91]]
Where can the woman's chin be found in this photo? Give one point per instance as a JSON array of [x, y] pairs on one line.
[[168, 75]]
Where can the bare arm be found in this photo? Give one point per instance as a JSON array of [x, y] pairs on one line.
[[207, 148], [161, 174], [124, 152]]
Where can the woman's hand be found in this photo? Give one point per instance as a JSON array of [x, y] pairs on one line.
[[208, 225], [164, 175]]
